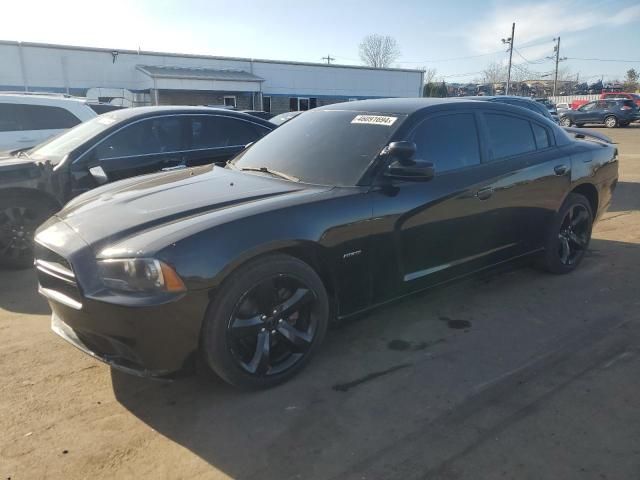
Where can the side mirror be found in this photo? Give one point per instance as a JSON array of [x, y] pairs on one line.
[[415, 170], [402, 151], [99, 175]]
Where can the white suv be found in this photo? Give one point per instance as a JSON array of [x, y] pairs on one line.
[[28, 119]]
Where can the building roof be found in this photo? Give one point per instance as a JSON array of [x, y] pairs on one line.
[[190, 55], [197, 73]]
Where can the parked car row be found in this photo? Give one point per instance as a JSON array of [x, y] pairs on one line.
[[338, 210], [36, 183]]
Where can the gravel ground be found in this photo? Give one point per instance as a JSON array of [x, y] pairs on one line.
[[516, 375]]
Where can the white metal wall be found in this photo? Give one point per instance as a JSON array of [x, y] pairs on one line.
[[59, 67]]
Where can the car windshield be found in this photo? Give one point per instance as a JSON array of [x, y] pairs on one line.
[[56, 148], [325, 147]]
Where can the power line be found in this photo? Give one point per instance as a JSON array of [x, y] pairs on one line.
[[603, 60]]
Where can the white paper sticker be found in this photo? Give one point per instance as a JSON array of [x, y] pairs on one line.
[[374, 120]]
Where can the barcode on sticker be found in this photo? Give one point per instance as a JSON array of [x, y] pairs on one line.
[[374, 120]]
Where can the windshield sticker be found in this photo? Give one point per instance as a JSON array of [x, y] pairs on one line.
[[105, 120], [374, 120]]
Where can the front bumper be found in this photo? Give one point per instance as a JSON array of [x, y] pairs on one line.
[[143, 338], [149, 341]]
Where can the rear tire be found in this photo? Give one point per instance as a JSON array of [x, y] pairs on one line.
[[611, 121], [20, 216], [568, 236], [565, 121], [267, 320]]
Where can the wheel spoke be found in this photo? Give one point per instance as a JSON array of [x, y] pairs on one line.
[[243, 327], [579, 218], [300, 298], [260, 362], [566, 250], [301, 341], [266, 295], [577, 240]]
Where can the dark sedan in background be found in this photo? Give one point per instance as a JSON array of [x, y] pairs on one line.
[[523, 102], [113, 146], [345, 208], [611, 113]]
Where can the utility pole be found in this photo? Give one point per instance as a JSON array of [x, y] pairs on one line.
[[328, 58], [558, 59], [509, 41]]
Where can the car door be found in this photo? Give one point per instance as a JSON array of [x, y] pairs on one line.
[[586, 113], [143, 146], [531, 176], [218, 138], [447, 226]]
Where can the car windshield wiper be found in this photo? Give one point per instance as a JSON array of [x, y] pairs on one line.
[[275, 173]]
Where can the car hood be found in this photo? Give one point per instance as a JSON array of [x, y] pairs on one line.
[[9, 162], [124, 208]]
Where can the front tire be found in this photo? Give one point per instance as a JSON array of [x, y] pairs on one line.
[[20, 216], [565, 121], [265, 323], [568, 236], [611, 122]]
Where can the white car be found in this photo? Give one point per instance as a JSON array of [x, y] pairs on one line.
[[562, 106], [28, 119]]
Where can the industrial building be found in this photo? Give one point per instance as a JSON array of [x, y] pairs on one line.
[[131, 78]]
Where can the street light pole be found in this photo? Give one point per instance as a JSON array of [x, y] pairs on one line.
[[510, 42]]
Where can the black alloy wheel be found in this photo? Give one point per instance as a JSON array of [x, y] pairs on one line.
[[266, 321], [569, 235], [19, 219], [271, 327], [574, 234]]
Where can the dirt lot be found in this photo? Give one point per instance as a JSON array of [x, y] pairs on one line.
[[516, 375]]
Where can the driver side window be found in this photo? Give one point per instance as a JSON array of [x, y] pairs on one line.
[[150, 136], [450, 142], [588, 107]]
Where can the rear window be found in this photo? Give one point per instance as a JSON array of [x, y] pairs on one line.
[[18, 117], [508, 135]]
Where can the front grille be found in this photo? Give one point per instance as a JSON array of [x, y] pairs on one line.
[[56, 277]]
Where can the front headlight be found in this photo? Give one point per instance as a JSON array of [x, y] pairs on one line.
[[139, 275]]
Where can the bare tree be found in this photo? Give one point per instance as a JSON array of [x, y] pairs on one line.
[[494, 73], [430, 75], [379, 51]]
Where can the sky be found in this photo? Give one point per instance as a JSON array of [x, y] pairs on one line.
[[458, 39]]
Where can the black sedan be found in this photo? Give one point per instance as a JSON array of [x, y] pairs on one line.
[[611, 113], [523, 102], [346, 208], [113, 146]]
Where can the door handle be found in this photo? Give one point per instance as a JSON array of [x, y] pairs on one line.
[[484, 193], [560, 169]]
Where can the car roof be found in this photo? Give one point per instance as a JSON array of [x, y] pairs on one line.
[[40, 99], [390, 105], [140, 112], [500, 97]]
